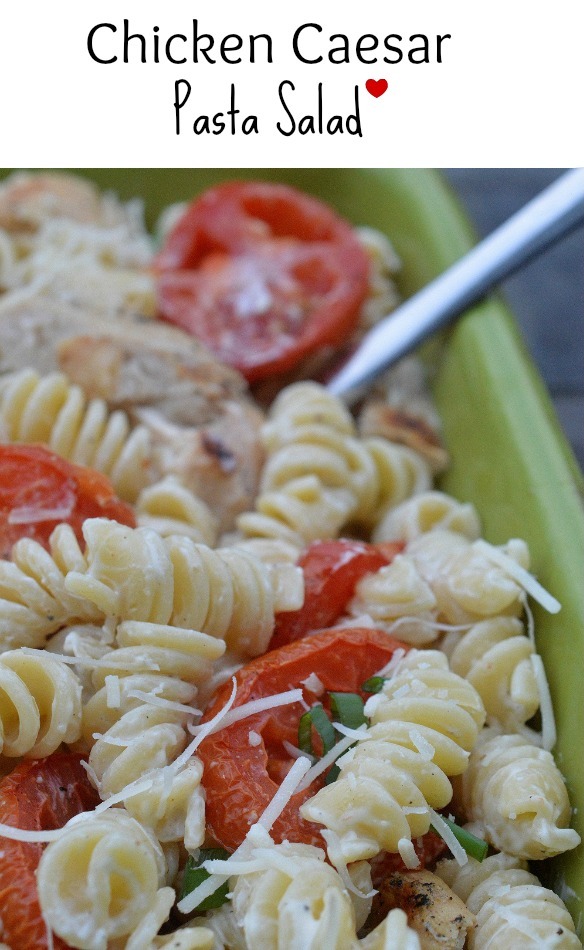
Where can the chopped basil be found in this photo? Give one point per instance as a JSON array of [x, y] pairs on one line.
[[195, 874]]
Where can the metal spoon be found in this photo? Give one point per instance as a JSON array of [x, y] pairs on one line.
[[549, 216]]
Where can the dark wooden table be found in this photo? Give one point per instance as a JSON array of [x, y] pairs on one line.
[[547, 296]]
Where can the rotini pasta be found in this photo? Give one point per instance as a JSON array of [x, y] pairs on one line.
[[169, 507], [34, 601], [297, 900], [514, 791], [398, 591], [320, 476], [512, 907], [427, 511], [423, 726], [40, 704], [467, 585], [299, 897], [136, 724], [495, 656], [401, 473], [51, 410], [99, 879], [392, 934], [134, 574]]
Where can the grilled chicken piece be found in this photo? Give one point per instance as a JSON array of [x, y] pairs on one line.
[[438, 916], [27, 200], [204, 427], [406, 428]]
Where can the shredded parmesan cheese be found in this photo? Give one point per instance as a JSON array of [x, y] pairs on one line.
[[390, 668], [548, 722], [253, 707], [205, 731], [153, 700], [110, 663], [257, 835], [426, 750], [330, 758], [519, 574], [313, 684], [335, 854], [34, 837], [30, 515], [408, 854], [112, 691], [448, 837]]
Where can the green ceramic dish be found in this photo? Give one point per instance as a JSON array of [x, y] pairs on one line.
[[509, 456]]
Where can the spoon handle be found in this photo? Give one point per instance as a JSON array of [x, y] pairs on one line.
[[549, 216]]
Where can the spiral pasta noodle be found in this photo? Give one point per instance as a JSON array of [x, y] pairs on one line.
[[100, 878], [169, 507], [320, 476], [136, 722], [427, 511], [297, 899], [512, 907], [423, 725], [515, 792], [398, 591], [51, 410], [400, 473], [467, 585], [495, 656], [307, 902], [40, 704], [34, 601], [134, 574]]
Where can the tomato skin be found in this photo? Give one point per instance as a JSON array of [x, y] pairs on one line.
[[331, 571], [39, 794], [240, 779], [33, 477], [430, 848], [263, 274]]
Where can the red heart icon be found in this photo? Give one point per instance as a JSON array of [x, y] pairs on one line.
[[376, 87]]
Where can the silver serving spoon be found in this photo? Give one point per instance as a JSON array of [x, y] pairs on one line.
[[545, 219]]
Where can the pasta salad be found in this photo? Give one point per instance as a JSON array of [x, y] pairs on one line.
[[262, 683]]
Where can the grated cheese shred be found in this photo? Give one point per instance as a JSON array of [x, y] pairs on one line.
[[519, 574], [448, 837], [257, 836], [548, 722], [408, 854]]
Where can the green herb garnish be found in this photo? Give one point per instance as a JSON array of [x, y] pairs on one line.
[[195, 875], [317, 718], [348, 709], [374, 684], [474, 847]]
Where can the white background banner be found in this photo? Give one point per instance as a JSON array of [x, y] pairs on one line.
[[409, 83]]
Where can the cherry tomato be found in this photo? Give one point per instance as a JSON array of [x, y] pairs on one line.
[[241, 779], [331, 570], [429, 848], [35, 484], [263, 274], [38, 795]]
